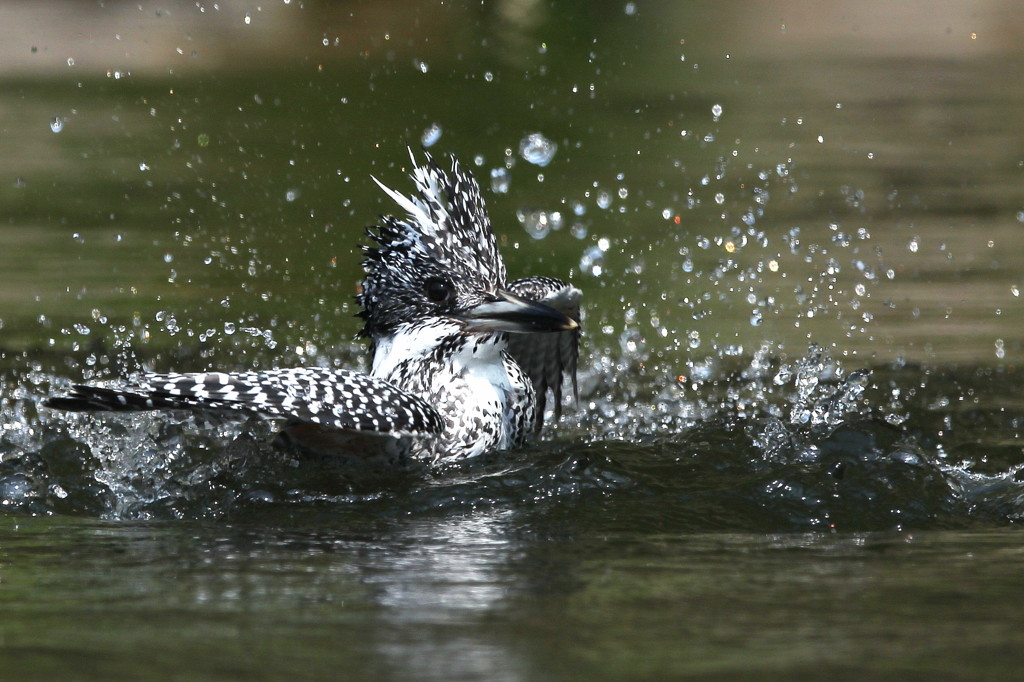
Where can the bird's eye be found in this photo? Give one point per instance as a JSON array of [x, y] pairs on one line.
[[437, 290]]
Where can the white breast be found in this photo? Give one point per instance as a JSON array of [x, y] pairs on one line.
[[466, 379]]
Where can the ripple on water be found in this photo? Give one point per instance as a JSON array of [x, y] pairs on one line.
[[761, 444]]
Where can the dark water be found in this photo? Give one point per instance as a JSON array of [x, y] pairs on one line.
[[797, 452]]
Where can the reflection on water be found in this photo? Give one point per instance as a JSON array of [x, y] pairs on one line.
[[318, 600], [445, 574], [478, 553], [799, 234]]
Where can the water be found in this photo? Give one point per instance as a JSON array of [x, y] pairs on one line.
[[500, 180], [431, 135], [797, 451], [537, 149]]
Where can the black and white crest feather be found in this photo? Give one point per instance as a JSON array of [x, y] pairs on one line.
[[445, 234]]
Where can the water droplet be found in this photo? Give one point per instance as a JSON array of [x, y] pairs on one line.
[[291, 195], [604, 199], [57, 124], [431, 135], [536, 223], [488, 76], [71, 61], [631, 341], [537, 149], [578, 230], [203, 139], [143, 166], [248, 19], [630, 9], [592, 261], [500, 180], [421, 65], [716, 111]]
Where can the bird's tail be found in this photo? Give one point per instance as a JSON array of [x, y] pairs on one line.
[[96, 398]]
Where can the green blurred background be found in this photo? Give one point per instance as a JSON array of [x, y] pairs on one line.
[[860, 189]]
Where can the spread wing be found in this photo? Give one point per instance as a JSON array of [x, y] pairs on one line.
[[551, 357], [331, 398]]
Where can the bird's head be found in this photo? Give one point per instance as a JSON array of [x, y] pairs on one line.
[[441, 261]]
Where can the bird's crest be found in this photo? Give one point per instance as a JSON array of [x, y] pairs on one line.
[[445, 232]]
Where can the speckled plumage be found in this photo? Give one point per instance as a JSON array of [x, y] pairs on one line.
[[462, 360], [331, 398], [547, 358]]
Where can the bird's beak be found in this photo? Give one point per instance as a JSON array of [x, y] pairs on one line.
[[510, 313]]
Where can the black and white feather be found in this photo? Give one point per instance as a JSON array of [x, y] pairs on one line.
[[331, 398], [462, 360], [548, 359]]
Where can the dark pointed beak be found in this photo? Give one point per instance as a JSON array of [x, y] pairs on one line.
[[510, 313]]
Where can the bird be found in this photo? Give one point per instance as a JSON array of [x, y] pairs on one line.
[[461, 359]]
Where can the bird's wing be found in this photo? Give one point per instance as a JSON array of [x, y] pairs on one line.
[[331, 398], [548, 357]]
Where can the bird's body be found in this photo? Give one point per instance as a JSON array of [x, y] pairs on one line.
[[487, 399], [445, 381]]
